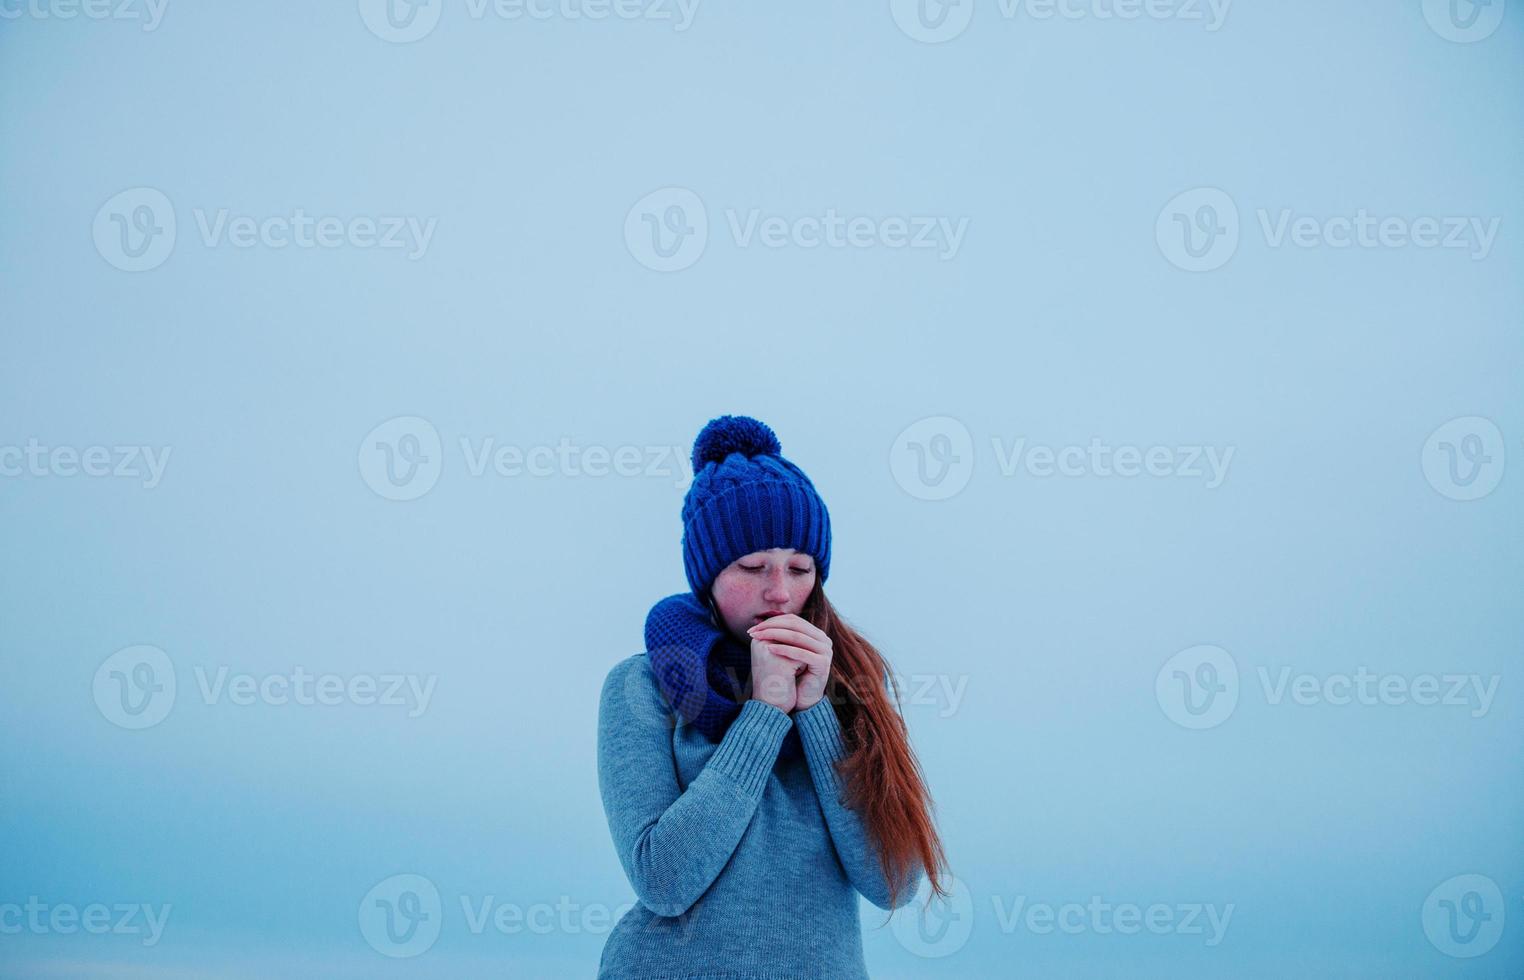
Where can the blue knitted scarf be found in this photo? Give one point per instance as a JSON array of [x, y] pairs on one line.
[[701, 669]]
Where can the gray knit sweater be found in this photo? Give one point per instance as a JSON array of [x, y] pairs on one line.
[[746, 866]]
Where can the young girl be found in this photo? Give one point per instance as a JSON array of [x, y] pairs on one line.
[[755, 773]]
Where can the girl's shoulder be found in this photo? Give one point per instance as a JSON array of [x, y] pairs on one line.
[[636, 664], [630, 690]]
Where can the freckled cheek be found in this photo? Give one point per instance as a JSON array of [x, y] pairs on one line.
[[734, 598]]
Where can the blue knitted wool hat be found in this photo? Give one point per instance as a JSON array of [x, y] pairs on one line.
[[746, 497]]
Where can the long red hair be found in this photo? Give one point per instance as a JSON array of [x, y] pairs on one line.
[[882, 777]]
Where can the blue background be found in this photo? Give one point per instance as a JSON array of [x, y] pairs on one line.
[[532, 318]]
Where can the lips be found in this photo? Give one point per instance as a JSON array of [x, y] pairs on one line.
[[769, 614]]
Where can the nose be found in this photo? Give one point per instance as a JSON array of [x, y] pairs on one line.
[[777, 587]]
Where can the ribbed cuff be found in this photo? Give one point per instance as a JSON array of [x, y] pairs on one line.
[[820, 731], [750, 747]]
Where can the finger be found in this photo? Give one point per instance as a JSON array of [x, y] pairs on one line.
[[796, 654], [790, 636], [795, 621], [816, 662], [791, 639]]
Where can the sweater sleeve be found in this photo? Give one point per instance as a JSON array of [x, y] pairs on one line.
[[672, 842], [820, 731]]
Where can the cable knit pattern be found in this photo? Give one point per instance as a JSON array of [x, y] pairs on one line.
[[746, 865]]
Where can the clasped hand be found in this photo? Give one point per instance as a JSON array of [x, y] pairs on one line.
[[790, 662]]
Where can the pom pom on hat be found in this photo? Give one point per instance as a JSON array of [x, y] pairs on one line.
[[733, 434]]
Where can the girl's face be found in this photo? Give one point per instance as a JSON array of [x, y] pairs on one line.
[[761, 585]]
